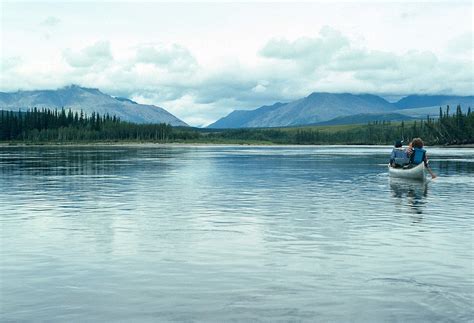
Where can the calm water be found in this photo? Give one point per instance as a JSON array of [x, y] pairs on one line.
[[208, 233]]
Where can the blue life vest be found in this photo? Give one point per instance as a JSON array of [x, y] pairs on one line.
[[418, 156]]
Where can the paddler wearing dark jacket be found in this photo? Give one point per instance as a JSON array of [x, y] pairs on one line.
[[399, 156]]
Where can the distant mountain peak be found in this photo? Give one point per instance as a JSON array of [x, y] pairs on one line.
[[322, 107], [315, 108], [78, 87], [88, 100], [73, 86], [423, 100], [125, 100]]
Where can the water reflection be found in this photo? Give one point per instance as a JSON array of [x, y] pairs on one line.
[[107, 233], [454, 166], [80, 161], [410, 193]]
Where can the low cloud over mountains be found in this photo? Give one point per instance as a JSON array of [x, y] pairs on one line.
[[200, 75]]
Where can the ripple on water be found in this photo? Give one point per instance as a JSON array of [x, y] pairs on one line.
[[233, 233]]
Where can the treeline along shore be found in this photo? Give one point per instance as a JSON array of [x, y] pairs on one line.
[[39, 126]]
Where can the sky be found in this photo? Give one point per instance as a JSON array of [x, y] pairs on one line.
[[201, 61]]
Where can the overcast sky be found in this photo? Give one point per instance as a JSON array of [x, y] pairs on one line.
[[200, 61]]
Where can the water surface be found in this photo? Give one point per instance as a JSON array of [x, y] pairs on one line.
[[233, 233]]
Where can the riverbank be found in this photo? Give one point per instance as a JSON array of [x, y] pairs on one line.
[[442, 132], [197, 143], [134, 143]]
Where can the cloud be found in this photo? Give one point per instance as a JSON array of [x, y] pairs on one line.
[[50, 22], [49, 26], [173, 57], [333, 62], [96, 54], [354, 59], [461, 45], [170, 76], [10, 63], [310, 52], [259, 88], [200, 114]]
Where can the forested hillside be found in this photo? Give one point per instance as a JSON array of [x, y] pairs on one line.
[[47, 125], [44, 125], [88, 100]]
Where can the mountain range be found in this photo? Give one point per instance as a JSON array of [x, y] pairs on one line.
[[340, 108], [423, 101], [88, 100], [319, 108]]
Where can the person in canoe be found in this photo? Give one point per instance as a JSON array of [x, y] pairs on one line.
[[418, 155], [399, 156]]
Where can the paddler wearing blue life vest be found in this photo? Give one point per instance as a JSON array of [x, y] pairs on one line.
[[418, 155]]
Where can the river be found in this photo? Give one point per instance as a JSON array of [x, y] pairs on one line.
[[233, 233]]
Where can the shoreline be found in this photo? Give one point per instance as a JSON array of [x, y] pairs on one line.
[[184, 144]]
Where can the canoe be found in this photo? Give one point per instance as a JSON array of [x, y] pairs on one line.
[[418, 172]]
